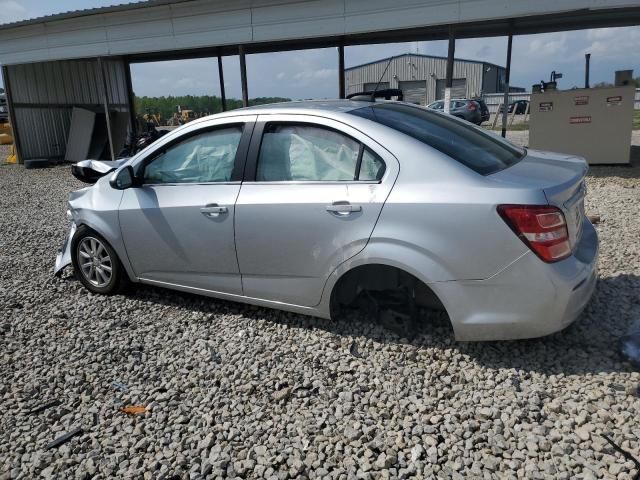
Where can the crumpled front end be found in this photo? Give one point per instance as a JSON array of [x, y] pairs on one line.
[[64, 255]]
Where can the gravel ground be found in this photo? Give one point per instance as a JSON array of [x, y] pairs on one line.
[[237, 391]]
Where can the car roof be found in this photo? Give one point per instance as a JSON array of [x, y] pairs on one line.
[[305, 105]]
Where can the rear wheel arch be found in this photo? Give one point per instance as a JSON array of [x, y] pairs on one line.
[[379, 277]]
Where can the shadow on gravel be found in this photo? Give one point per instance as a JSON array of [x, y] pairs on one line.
[[590, 345], [632, 170]]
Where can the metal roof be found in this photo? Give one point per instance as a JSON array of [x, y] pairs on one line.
[[409, 54], [165, 29], [82, 12]]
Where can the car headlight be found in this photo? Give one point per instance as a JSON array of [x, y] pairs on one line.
[[69, 214]]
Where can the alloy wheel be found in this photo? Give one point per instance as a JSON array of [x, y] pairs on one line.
[[95, 262]]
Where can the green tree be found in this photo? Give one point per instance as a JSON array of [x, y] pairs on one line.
[[202, 104]]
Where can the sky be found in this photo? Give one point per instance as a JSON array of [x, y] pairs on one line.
[[313, 73]]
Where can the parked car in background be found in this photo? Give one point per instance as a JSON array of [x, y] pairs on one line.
[[327, 206], [464, 108], [519, 105], [484, 110]]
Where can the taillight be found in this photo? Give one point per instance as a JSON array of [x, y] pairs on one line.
[[541, 227], [471, 106]]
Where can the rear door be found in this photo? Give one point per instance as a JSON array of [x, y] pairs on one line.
[[312, 194]]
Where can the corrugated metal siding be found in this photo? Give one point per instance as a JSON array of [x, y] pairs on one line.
[[45, 93], [43, 131], [69, 82], [416, 67]]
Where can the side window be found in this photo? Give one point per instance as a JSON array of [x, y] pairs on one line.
[[372, 167], [202, 158], [300, 152]]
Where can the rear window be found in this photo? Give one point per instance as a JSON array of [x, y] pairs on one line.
[[482, 152]]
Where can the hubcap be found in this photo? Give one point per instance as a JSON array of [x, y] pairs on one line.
[[95, 262]]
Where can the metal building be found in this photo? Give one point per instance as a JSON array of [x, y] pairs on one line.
[[81, 58], [422, 78]]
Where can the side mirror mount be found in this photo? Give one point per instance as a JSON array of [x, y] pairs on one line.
[[123, 178]]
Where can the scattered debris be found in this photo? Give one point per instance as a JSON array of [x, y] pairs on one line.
[[65, 438], [594, 219], [119, 386], [44, 406], [134, 409], [353, 350], [625, 454]]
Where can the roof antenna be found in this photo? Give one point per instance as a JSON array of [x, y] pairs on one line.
[[373, 95]]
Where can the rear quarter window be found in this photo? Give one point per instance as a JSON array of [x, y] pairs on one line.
[[482, 152]]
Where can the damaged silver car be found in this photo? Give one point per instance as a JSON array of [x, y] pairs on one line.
[[320, 207]]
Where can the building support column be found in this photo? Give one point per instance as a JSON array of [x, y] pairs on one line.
[[12, 114], [243, 76], [223, 97], [341, 87], [507, 75], [587, 62], [449, 79], [105, 98], [130, 100]]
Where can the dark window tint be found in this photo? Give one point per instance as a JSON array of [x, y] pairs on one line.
[[482, 152]]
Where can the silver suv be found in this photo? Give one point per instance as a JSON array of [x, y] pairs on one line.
[[317, 207]]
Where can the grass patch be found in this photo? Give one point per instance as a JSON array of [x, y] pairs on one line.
[[636, 119]]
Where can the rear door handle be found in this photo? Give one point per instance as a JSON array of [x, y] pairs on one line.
[[343, 208], [213, 210]]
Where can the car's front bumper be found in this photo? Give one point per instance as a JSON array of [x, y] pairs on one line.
[[527, 299], [64, 255]]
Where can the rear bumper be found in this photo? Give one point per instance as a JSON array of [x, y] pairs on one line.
[[527, 299]]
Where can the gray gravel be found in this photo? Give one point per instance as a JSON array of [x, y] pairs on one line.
[[236, 391]]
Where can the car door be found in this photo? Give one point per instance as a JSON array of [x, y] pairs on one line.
[[312, 194], [177, 225]]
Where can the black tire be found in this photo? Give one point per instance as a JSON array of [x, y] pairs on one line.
[[92, 256]]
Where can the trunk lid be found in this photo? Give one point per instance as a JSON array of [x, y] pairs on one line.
[[560, 177]]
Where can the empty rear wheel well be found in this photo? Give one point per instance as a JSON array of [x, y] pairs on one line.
[[381, 278]]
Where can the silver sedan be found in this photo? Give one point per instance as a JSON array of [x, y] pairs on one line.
[[321, 207]]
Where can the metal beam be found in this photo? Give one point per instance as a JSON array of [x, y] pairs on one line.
[[341, 87], [223, 97], [558, 22], [507, 75], [105, 99], [133, 127], [243, 76], [12, 114], [587, 62], [449, 79]]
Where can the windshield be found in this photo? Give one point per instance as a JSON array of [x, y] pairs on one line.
[[484, 153]]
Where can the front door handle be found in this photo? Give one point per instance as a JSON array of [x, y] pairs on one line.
[[343, 208], [213, 210]]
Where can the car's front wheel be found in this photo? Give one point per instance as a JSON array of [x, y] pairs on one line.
[[96, 264]]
